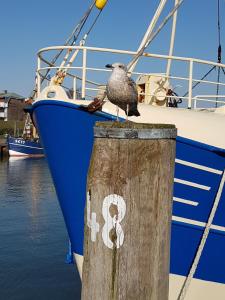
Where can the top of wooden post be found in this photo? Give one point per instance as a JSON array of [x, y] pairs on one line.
[[131, 130]]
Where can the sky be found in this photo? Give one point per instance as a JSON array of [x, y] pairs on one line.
[[28, 25]]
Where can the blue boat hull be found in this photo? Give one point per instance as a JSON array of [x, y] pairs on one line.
[[23, 147], [67, 136]]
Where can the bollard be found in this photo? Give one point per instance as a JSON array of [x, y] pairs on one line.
[[128, 212]]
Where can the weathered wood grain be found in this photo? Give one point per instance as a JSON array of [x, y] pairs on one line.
[[141, 172]]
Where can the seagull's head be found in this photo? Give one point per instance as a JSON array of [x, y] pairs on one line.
[[117, 66]]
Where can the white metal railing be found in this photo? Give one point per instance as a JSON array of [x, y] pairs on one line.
[[207, 98], [192, 64]]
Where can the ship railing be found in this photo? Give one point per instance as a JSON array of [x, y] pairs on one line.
[[192, 67], [208, 98]]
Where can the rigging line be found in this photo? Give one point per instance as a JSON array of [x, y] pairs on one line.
[[218, 21], [79, 23], [218, 86], [218, 56], [151, 37], [91, 27], [219, 50], [73, 35], [223, 71], [82, 43], [83, 21], [93, 24], [204, 238], [197, 83]]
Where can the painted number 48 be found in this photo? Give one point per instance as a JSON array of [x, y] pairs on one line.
[[113, 211]]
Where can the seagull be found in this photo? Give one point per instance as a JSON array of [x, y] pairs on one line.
[[121, 90]]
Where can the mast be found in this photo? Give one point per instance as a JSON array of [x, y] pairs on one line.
[[150, 29], [151, 35], [172, 39]]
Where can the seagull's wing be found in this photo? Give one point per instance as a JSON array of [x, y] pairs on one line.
[[131, 81], [102, 93], [132, 84]]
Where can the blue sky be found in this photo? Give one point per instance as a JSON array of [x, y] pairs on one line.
[[28, 25]]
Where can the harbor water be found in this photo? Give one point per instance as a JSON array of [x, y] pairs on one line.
[[33, 238]]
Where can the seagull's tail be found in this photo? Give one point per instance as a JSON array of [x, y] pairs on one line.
[[133, 110]]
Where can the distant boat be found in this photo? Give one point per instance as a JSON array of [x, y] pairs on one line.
[[24, 147], [28, 145]]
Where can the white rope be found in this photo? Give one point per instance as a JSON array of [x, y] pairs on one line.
[[194, 266]]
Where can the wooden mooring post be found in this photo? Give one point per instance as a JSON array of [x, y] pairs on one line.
[[128, 212]]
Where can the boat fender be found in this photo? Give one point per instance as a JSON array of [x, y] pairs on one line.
[[100, 4]]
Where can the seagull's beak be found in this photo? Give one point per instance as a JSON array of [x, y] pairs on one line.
[[109, 66]]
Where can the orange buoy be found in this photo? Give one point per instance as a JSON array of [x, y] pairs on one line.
[[100, 4]]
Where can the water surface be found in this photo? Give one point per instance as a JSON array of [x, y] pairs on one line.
[[33, 238]]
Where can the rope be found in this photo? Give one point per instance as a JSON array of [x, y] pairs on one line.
[[217, 86], [223, 71], [82, 42], [218, 22], [74, 35], [219, 50], [194, 266], [62, 72], [219, 56], [93, 24], [83, 21]]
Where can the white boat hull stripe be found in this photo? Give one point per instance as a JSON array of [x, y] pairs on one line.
[[188, 202], [193, 184], [200, 167], [21, 145], [197, 223]]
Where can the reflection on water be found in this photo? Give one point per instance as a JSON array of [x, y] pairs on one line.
[[33, 239]]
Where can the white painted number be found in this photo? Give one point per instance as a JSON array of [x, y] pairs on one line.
[[113, 211], [92, 220]]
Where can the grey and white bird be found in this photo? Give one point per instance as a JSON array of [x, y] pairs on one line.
[[121, 90]]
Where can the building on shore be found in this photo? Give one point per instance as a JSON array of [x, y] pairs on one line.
[[11, 106]]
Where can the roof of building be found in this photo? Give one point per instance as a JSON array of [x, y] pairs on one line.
[[9, 95]]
